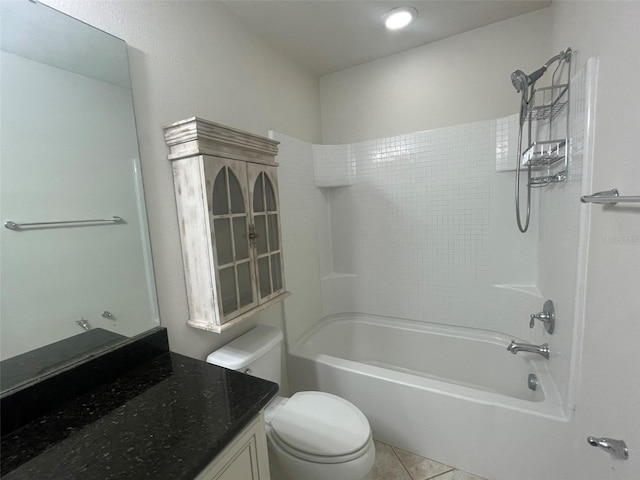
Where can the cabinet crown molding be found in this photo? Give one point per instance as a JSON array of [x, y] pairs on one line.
[[196, 136]]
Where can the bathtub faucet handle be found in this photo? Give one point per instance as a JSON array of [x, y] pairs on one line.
[[546, 316]]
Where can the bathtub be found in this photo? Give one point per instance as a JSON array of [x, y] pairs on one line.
[[451, 394]]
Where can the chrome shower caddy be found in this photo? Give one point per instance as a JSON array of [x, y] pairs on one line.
[[548, 129]]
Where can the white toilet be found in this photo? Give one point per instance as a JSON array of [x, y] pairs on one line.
[[312, 435]]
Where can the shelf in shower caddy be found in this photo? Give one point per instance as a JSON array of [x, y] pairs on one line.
[[545, 153], [548, 102]]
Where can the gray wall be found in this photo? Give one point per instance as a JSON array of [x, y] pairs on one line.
[[457, 80], [197, 58]]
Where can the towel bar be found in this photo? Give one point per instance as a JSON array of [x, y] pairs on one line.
[[17, 226], [609, 197]]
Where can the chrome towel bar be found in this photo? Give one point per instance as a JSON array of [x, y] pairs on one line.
[[609, 197], [17, 226]]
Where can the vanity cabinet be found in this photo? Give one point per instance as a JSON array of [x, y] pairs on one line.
[[246, 458], [226, 189]]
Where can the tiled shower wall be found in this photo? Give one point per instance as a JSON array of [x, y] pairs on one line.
[[421, 226], [426, 231]]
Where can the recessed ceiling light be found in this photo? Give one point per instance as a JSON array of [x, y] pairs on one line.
[[399, 18]]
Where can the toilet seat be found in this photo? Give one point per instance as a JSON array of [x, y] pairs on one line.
[[320, 427]]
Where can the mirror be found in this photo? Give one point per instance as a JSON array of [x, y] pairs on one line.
[[75, 263]]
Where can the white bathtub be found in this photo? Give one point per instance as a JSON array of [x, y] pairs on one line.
[[448, 393]]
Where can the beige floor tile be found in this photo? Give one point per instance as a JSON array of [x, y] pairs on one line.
[[458, 475], [387, 466], [421, 468]]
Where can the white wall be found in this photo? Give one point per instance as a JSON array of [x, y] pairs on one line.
[[357, 104], [57, 164], [609, 392], [457, 80], [298, 203], [197, 58]]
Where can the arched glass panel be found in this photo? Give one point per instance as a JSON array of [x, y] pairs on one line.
[[235, 194], [220, 206], [269, 194], [258, 194]]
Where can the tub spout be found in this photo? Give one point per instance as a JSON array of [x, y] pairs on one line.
[[515, 347]]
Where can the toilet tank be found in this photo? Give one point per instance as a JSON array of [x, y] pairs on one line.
[[257, 353]]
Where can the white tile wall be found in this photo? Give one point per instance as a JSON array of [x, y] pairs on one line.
[[334, 165], [414, 227], [421, 226], [506, 143]]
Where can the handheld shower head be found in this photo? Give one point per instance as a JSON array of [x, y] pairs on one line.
[[521, 81]]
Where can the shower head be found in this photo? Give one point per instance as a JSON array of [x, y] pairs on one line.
[[521, 81]]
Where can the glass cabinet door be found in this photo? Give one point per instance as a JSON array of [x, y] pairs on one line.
[[266, 230], [229, 222], [232, 256]]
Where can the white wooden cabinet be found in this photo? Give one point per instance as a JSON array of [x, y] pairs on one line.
[[226, 189], [246, 458]]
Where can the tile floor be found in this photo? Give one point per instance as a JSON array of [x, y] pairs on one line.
[[395, 464]]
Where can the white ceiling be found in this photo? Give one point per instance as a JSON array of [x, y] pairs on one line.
[[331, 35]]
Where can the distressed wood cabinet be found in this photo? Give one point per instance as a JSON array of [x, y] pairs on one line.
[[226, 189]]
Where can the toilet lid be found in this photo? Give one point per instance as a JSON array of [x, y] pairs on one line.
[[321, 424]]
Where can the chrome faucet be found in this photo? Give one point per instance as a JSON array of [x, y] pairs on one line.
[[547, 316], [617, 448], [515, 347], [84, 324]]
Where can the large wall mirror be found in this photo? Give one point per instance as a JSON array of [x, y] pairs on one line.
[[75, 263]]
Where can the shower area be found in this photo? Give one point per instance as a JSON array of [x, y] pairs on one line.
[[425, 276]]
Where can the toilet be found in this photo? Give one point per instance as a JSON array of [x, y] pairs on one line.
[[310, 436]]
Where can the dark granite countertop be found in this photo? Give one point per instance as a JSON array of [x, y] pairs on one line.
[[22, 368], [165, 419]]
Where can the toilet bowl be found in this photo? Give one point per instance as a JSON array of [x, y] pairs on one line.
[[318, 436], [310, 436]]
